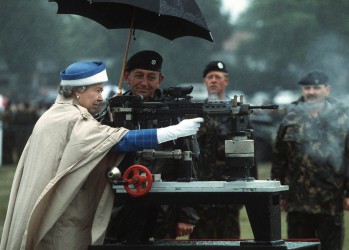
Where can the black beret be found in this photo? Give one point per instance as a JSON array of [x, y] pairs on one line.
[[146, 59], [314, 78], [215, 66]]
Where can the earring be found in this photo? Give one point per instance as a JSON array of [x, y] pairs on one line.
[[77, 97]]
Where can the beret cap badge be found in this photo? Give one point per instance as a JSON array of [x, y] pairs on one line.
[[315, 77], [145, 59], [215, 66]]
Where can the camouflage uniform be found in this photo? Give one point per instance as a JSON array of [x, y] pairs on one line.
[[310, 155], [216, 221], [138, 219]]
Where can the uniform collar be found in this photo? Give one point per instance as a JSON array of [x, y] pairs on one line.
[[157, 96]]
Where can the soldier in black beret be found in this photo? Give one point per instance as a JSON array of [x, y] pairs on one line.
[[216, 79], [315, 88], [138, 219], [143, 74], [310, 155], [216, 221]]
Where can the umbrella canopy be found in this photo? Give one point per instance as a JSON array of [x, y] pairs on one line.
[[168, 18]]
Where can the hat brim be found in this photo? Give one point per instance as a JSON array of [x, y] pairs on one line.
[[100, 77]]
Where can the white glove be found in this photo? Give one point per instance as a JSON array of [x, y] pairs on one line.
[[184, 128]]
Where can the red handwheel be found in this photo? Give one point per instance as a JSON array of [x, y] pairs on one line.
[[139, 180]]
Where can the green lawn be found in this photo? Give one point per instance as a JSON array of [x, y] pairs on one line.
[[6, 176], [7, 172], [246, 232]]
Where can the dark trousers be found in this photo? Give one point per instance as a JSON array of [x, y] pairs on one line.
[[132, 222], [328, 229], [218, 222]]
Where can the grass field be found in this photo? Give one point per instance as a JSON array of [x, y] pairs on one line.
[[6, 176], [7, 172]]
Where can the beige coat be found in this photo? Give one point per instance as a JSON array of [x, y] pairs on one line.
[[60, 197]]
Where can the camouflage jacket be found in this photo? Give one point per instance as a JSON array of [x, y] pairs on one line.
[[311, 156], [211, 137]]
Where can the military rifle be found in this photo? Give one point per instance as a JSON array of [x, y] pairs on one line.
[[132, 112]]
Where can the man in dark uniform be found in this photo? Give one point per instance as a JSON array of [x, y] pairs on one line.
[[23, 121], [137, 219], [311, 155], [216, 221]]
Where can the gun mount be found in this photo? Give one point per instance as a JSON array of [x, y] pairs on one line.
[[261, 198], [133, 112]]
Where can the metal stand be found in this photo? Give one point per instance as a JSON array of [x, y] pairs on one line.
[[208, 245], [261, 199]]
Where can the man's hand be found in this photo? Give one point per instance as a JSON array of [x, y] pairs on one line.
[[282, 204], [346, 203], [184, 229]]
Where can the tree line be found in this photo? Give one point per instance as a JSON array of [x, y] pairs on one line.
[[283, 39]]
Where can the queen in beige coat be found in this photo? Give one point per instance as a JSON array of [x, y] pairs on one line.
[[60, 197]]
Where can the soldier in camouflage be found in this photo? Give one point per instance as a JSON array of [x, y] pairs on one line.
[[311, 156], [216, 221]]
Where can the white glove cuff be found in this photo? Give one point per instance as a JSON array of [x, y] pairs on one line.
[[166, 134]]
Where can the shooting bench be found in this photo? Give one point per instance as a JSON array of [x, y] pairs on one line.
[[260, 197]]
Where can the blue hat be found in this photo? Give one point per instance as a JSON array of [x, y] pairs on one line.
[[314, 78], [84, 73]]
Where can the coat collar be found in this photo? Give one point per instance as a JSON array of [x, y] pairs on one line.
[[72, 101], [66, 100]]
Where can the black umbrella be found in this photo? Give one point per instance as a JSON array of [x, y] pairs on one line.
[[168, 18]]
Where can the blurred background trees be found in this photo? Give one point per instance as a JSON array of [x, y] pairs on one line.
[[289, 38], [267, 49], [36, 44]]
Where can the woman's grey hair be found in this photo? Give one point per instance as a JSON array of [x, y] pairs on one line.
[[68, 91]]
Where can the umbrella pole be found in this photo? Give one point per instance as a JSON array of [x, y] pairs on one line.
[[125, 57]]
